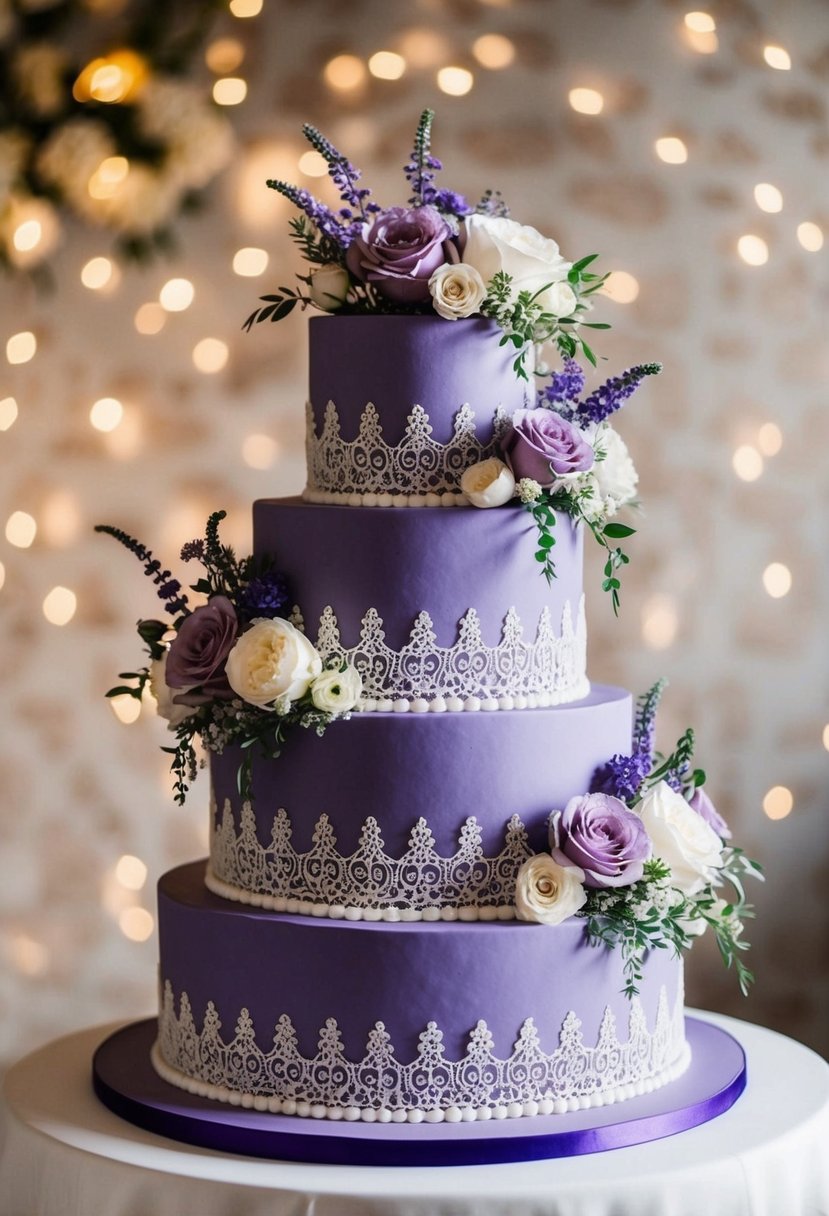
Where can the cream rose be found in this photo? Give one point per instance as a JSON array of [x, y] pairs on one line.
[[548, 892], [489, 483], [616, 477], [336, 692], [272, 660], [533, 261], [457, 291], [164, 695], [329, 287], [681, 838]]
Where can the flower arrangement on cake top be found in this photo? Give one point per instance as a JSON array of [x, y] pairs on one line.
[[441, 255], [642, 857], [234, 669]]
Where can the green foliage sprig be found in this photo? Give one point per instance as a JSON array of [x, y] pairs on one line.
[[543, 513]]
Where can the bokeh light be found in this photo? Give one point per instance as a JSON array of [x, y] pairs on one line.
[[98, 273], [230, 91], [224, 55], [586, 101], [150, 318], [126, 709], [387, 65], [768, 197], [747, 462], [778, 802], [176, 295], [136, 924], [810, 236], [60, 605], [259, 451], [131, 872], [345, 72], [455, 81], [8, 413], [700, 22], [753, 249], [312, 164], [621, 287], [423, 47], [27, 235], [825, 735], [246, 8], [777, 57], [777, 580], [61, 520], [769, 439], [106, 414], [109, 177], [21, 529], [660, 621], [210, 355], [28, 956], [250, 262], [21, 347], [493, 51], [671, 149]]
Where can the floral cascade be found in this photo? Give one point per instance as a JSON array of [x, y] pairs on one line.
[[233, 670], [440, 255], [642, 857]]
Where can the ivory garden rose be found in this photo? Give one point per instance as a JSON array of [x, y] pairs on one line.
[[489, 483], [457, 291], [272, 661], [681, 838], [547, 892]]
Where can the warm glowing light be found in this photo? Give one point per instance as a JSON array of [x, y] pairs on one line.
[[753, 250], [230, 91], [769, 439], [810, 236], [106, 414], [747, 463], [250, 262], [176, 295], [778, 802], [777, 57], [136, 923], [768, 197], [28, 956], [493, 51], [825, 729], [108, 178], [345, 72], [2, 575], [21, 529], [224, 55], [98, 273], [127, 440], [150, 318], [21, 347], [586, 101], [259, 451], [116, 78], [700, 23], [210, 355], [423, 48], [131, 872], [672, 150], [777, 580], [702, 43], [60, 519], [621, 287], [8, 413], [455, 81], [660, 622], [126, 709], [27, 235], [313, 164], [246, 8], [386, 65], [60, 605]]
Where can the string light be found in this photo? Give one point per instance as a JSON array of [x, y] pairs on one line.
[[810, 236], [621, 287], [777, 580], [210, 355], [259, 451], [27, 235], [313, 164], [586, 101], [386, 65], [106, 414], [768, 197], [700, 23], [34, 229], [769, 439], [8, 413], [753, 249], [131, 872], [493, 51], [345, 72], [127, 440], [21, 347], [778, 802], [136, 924], [126, 709], [150, 318], [98, 273], [176, 295], [230, 91], [702, 43], [246, 8], [454, 81], [224, 55], [747, 463], [671, 149], [250, 262], [60, 605], [660, 622], [777, 57], [21, 529]]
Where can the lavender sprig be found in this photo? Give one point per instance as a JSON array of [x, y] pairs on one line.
[[320, 215], [342, 173], [612, 395], [168, 588], [645, 725], [564, 389], [492, 203], [422, 166]]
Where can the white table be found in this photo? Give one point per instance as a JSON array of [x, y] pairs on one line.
[[63, 1154]]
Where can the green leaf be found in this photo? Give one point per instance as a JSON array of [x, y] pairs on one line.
[[584, 262], [618, 531], [541, 555], [545, 541]]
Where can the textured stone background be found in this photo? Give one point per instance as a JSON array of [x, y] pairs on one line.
[[742, 346]]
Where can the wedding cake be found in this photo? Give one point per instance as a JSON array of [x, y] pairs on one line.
[[450, 879]]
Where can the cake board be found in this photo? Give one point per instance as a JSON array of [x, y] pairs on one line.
[[126, 1082]]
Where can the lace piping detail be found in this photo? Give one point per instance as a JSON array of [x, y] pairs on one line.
[[424, 677], [369, 884], [380, 1088], [368, 468]]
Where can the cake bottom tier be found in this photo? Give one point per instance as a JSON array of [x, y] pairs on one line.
[[403, 1022]]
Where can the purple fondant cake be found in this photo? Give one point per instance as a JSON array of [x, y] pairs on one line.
[[351, 950]]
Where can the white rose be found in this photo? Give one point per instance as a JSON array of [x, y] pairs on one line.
[[489, 483], [329, 287], [457, 291], [336, 692], [681, 838], [164, 694], [272, 660], [494, 243], [559, 299], [615, 474], [547, 892]]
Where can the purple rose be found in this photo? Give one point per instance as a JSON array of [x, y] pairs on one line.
[[400, 250], [703, 805], [196, 659], [600, 835], [540, 444]]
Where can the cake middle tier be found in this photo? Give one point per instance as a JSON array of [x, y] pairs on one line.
[[407, 817], [437, 609]]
